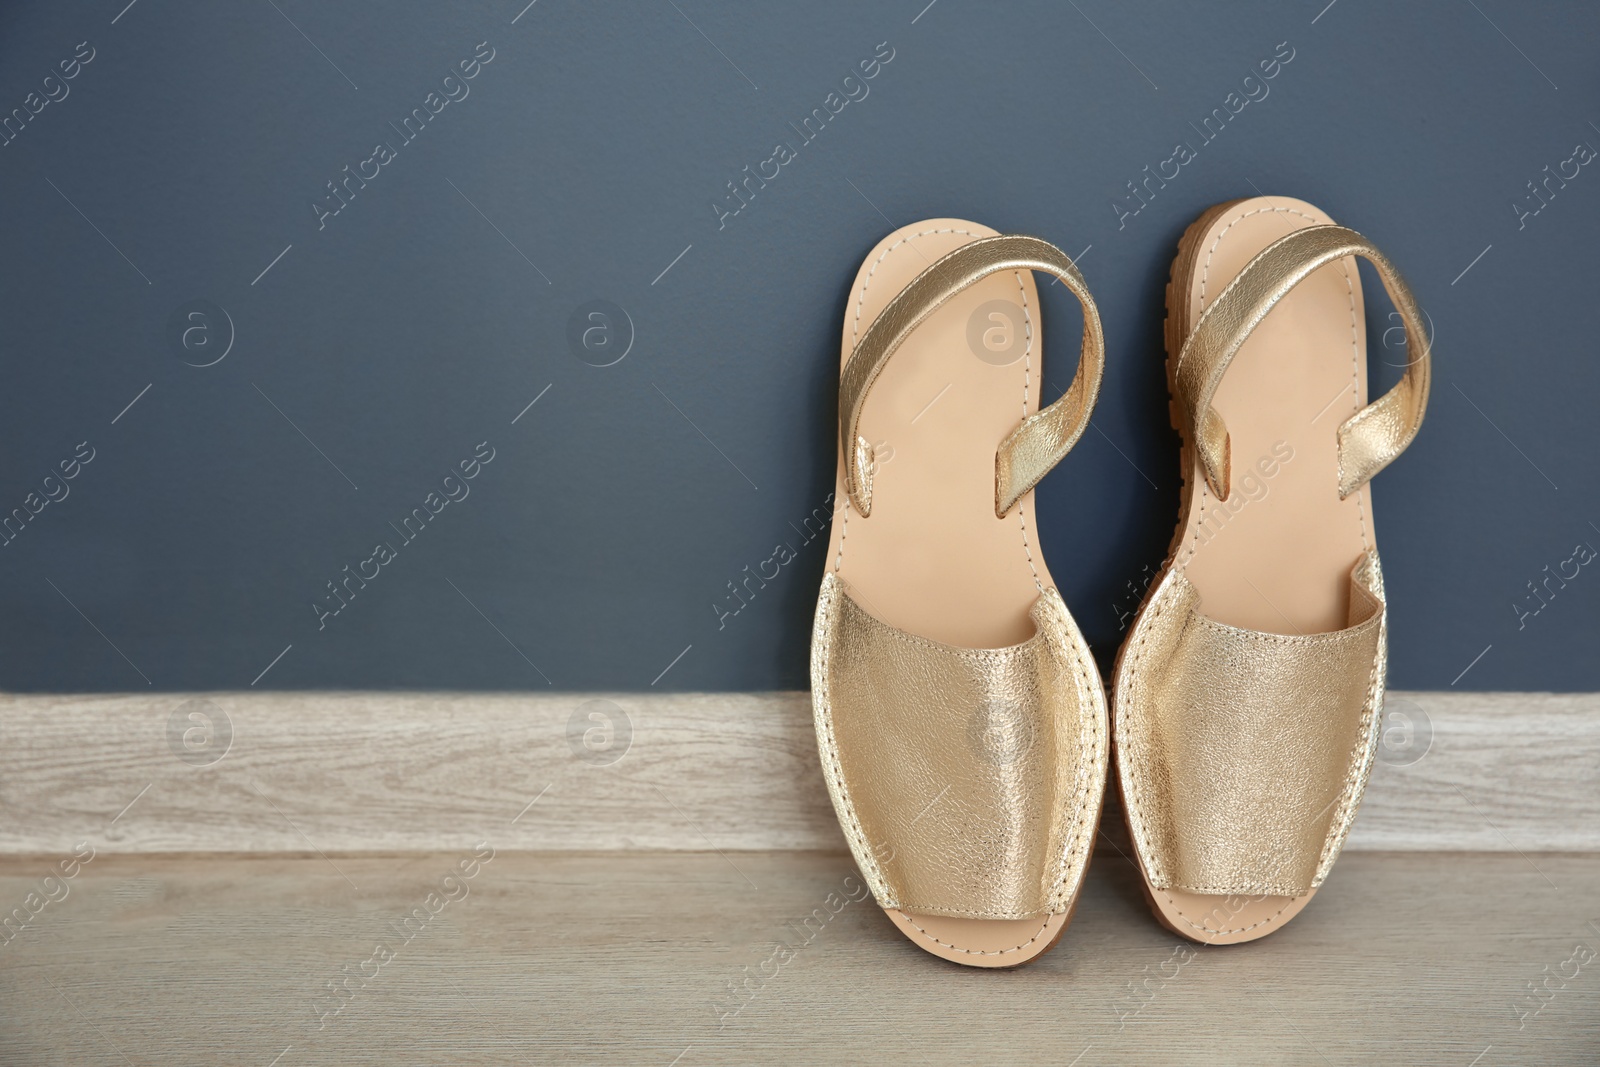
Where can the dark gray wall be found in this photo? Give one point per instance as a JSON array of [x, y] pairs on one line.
[[394, 337]]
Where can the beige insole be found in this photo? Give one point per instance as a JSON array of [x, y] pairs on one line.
[[1277, 555], [933, 559]]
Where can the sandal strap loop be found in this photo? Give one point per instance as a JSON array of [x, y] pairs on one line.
[[1371, 438], [1040, 440]]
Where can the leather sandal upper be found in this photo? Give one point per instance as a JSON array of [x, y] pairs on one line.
[[967, 781], [1244, 754]]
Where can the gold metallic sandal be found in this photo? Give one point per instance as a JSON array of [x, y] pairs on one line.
[[1249, 688], [960, 718]]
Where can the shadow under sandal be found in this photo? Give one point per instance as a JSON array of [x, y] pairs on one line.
[[1249, 689], [960, 719]]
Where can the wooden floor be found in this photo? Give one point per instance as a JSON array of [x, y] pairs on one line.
[[643, 958]]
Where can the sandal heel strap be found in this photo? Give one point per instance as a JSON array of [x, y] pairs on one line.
[[1370, 439], [1042, 439]]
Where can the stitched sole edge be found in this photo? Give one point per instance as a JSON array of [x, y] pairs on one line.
[[983, 958]]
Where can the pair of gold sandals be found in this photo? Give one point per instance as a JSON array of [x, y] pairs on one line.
[[962, 724]]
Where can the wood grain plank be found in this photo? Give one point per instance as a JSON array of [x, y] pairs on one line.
[[348, 772], [671, 958]]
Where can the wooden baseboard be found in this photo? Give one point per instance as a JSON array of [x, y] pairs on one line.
[[362, 772]]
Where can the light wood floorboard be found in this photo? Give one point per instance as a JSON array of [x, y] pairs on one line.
[[615, 958]]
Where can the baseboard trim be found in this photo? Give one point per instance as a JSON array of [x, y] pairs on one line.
[[386, 772]]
